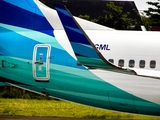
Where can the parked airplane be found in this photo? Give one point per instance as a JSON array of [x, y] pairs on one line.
[[35, 54], [84, 47], [132, 50]]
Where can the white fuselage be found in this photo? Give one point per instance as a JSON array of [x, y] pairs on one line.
[[136, 50], [127, 46]]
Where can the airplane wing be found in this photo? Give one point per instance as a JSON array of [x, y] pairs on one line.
[[85, 51]]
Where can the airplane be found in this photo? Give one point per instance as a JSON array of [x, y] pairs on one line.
[[129, 50], [81, 43], [35, 55]]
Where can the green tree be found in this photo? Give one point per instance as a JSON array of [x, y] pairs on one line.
[[145, 21], [115, 18], [154, 13], [86, 17]]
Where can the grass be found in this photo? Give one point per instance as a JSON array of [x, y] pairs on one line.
[[52, 108]]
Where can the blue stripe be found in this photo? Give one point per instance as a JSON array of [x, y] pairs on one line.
[[28, 5], [73, 32], [74, 29], [63, 11], [26, 46], [84, 50], [21, 13]]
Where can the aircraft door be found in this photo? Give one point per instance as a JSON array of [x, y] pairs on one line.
[[41, 62]]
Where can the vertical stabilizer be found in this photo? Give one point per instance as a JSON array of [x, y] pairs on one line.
[[85, 51]]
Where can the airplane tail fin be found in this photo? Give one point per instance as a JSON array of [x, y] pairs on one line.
[[85, 51], [79, 40], [23, 13]]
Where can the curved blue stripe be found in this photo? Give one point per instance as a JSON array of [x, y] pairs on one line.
[[63, 11], [25, 14], [73, 32], [26, 45], [74, 29]]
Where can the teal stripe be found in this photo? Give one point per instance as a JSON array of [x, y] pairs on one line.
[[34, 35], [80, 86]]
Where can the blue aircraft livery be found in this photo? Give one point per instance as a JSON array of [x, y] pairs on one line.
[[32, 58]]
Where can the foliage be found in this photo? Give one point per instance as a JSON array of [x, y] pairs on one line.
[[13, 92], [145, 21], [154, 13], [86, 17], [115, 18]]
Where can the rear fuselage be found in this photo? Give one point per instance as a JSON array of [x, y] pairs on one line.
[[36, 59]]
